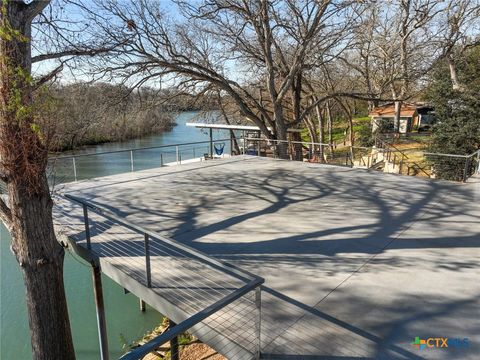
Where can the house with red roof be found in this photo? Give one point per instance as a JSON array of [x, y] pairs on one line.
[[412, 116]]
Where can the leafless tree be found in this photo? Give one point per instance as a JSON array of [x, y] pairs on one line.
[[459, 26], [235, 46], [395, 48]]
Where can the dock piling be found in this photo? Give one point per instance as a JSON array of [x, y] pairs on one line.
[[174, 354], [101, 322], [258, 324]]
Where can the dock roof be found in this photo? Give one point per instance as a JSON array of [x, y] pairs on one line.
[[231, 127]]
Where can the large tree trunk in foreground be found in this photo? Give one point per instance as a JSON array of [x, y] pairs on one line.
[[23, 159], [41, 261]]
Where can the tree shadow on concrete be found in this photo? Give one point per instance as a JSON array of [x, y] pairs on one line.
[[394, 210]]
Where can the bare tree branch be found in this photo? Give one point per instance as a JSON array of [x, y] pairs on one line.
[[73, 52], [35, 8]]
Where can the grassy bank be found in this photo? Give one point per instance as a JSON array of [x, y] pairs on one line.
[[361, 130]]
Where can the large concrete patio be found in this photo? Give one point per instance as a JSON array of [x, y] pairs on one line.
[[357, 263]]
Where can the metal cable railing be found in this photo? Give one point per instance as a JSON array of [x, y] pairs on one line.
[[387, 159], [67, 168], [417, 163], [305, 151], [392, 151], [220, 303]]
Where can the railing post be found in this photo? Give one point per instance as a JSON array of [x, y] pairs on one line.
[[174, 354], [100, 309], [142, 305], [244, 142], [258, 324], [176, 153], [147, 261], [161, 159], [465, 170], [131, 159], [211, 143], [87, 226], [74, 169], [478, 161]]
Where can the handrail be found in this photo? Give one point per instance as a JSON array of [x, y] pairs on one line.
[[449, 155], [304, 142], [286, 141], [252, 282], [137, 149], [228, 268], [402, 153], [151, 345], [385, 147]]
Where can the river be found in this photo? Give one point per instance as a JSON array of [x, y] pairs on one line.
[[125, 322]]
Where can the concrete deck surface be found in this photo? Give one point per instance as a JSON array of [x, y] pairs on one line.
[[357, 263]]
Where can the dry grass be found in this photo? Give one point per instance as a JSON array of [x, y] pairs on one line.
[[193, 351], [190, 348]]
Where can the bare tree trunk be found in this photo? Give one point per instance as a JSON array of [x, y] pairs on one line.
[[234, 144], [311, 128], [396, 121], [23, 159], [330, 126], [41, 261], [456, 85], [321, 133], [236, 147], [280, 131], [351, 135]]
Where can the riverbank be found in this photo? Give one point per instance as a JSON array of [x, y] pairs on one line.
[[93, 138]]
